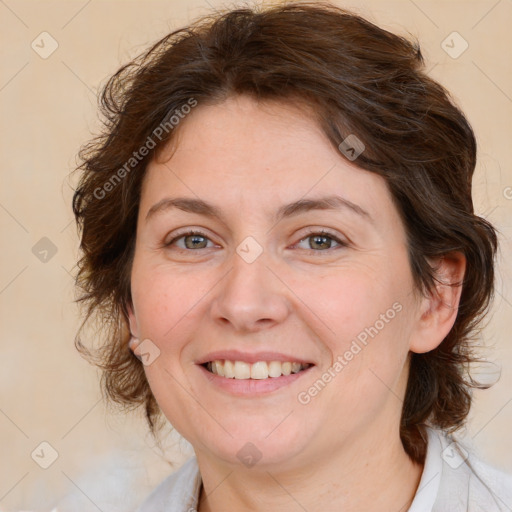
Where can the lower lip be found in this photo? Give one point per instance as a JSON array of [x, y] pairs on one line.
[[251, 387]]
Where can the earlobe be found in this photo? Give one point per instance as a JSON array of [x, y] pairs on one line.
[[438, 311], [133, 345]]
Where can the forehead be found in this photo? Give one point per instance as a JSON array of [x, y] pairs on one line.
[[251, 154], [240, 124]]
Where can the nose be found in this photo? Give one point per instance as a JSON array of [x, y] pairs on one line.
[[251, 297]]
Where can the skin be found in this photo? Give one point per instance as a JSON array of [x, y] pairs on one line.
[[342, 450]]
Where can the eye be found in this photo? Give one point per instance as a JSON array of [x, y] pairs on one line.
[[321, 241], [192, 240]]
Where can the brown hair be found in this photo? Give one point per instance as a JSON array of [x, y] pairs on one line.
[[361, 80]]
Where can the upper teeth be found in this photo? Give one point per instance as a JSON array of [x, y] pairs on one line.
[[259, 370]]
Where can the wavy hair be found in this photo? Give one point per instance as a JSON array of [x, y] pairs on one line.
[[358, 79]]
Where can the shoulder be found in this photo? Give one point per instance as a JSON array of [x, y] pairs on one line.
[[467, 482], [489, 486], [179, 492]]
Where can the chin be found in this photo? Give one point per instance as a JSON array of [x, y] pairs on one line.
[[251, 446]]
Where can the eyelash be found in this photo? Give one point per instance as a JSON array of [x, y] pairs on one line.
[[309, 234]]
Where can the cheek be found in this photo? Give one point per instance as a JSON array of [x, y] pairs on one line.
[[369, 350], [349, 302], [163, 299], [365, 318]]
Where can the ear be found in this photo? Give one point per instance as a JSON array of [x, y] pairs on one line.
[[438, 310], [132, 320]]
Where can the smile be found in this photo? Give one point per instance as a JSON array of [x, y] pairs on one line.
[[259, 370]]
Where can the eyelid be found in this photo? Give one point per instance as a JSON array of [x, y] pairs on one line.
[[323, 231]]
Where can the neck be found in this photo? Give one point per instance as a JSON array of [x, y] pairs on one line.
[[371, 473]]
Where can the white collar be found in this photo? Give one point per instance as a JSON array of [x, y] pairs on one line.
[[428, 487]]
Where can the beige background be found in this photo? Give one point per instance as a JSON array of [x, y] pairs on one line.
[[48, 109]]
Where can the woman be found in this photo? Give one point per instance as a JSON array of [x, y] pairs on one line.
[[277, 225]]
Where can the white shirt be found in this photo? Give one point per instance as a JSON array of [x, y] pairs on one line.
[[453, 480]]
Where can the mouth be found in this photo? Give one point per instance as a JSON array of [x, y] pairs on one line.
[[259, 370]]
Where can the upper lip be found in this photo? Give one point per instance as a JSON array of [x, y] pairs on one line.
[[254, 357]]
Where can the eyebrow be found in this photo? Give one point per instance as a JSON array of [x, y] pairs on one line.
[[198, 206]]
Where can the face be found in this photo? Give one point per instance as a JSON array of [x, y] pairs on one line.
[[261, 284]]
